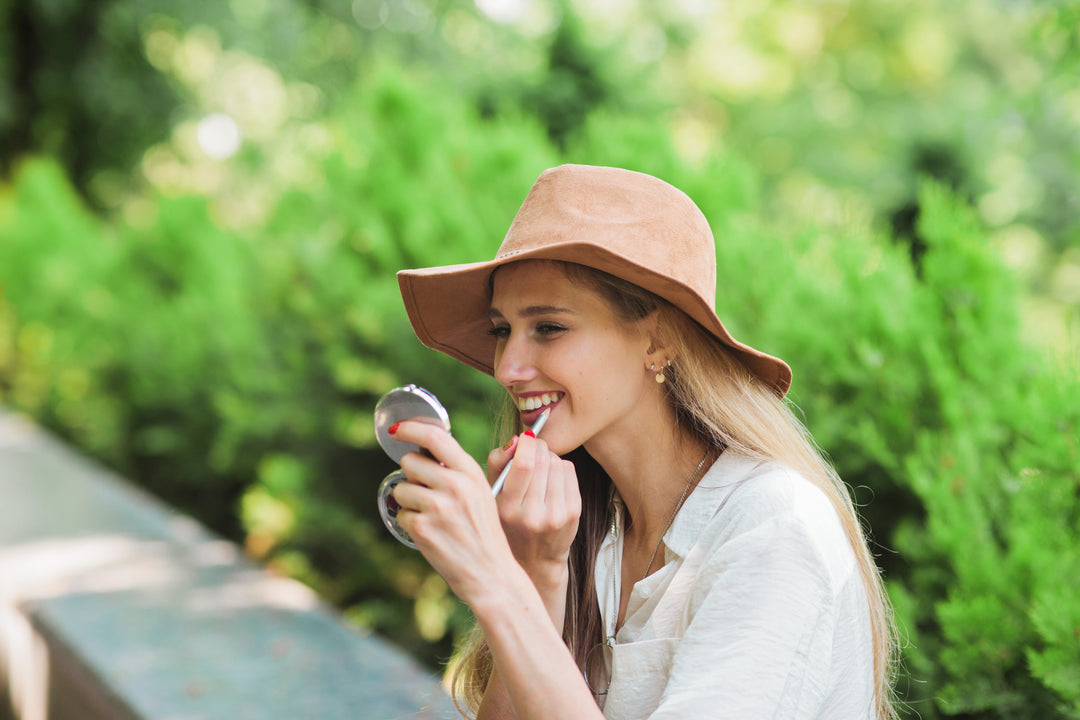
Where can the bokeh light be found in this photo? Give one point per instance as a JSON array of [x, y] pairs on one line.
[[504, 11], [219, 136]]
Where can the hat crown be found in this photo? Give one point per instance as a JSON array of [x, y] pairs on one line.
[[630, 215]]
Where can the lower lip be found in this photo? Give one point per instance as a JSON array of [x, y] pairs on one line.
[[529, 417]]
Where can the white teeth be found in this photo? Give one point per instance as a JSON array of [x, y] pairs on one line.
[[538, 401]]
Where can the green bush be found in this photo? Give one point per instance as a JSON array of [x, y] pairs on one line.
[[234, 372], [991, 597]]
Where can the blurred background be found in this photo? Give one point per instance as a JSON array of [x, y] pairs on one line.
[[203, 205]]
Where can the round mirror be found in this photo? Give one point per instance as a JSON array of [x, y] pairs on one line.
[[406, 403], [403, 403], [388, 507]]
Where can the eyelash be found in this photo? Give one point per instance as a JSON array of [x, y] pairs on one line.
[[549, 330], [543, 329]]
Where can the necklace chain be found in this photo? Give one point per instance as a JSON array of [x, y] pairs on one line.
[[609, 640], [674, 512]]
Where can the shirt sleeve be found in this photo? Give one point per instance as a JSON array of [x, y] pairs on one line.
[[761, 621]]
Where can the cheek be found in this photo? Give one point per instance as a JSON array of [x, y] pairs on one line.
[[587, 371], [607, 374], [574, 366]]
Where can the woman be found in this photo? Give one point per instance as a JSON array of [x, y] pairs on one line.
[[673, 546]]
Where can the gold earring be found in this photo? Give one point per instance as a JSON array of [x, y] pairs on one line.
[[660, 375]]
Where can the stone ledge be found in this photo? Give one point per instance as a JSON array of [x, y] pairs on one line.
[[113, 605]]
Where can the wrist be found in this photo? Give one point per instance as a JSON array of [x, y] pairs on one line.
[[551, 586], [549, 577], [499, 600]]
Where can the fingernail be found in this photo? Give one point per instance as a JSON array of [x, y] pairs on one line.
[[393, 428], [530, 433], [509, 443]]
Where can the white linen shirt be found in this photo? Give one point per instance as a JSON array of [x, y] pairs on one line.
[[759, 611]]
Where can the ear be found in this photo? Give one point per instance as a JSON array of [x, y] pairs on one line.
[[657, 354]]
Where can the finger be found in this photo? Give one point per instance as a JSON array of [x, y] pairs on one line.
[[524, 472], [406, 520], [498, 458], [534, 496], [442, 446], [556, 484], [568, 491], [411, 496], [422, 470], [534, 511], [571, 490], [438, 511]]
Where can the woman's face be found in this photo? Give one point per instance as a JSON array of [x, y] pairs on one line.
[[560, 345]]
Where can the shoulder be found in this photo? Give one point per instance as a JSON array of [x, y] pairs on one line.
[[776, 491], [773, 512]]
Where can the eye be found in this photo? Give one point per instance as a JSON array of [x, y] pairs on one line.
[[500, 332], [547, 329]]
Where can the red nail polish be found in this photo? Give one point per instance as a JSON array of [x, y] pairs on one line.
[[529, 433], [393, 428]]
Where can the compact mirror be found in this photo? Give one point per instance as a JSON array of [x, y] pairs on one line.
[[406, 403], [403, 403]]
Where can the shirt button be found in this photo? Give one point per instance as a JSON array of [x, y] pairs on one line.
[[645, 593]]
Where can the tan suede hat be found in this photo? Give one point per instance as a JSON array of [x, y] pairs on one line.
[[625, 223]]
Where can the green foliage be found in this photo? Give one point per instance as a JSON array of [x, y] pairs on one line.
[[997, 552], [232, 367], [75, 84], [235, 371], [55, 357]]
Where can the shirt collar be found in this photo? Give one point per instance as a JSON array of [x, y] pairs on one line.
[[696, 513]]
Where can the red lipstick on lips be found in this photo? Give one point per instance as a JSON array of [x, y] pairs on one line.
[[529, 417]]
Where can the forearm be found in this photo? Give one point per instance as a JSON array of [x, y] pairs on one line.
[[496, 704], [534, 668]]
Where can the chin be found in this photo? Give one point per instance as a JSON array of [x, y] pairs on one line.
[[559, 448], [559, 445]]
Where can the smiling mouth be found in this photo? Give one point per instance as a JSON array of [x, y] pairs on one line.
[[535, 402]]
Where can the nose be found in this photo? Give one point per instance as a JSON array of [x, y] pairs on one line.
[[514, 362]]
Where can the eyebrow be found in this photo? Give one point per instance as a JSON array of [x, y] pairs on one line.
[[533, 310]]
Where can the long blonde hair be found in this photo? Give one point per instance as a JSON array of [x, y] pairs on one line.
[[718, 400]]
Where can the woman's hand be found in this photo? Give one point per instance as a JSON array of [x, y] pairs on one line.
[[448, 510], [539, 507]]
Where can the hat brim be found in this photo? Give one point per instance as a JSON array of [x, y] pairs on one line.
[[448, 306]]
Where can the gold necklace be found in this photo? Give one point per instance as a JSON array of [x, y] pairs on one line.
[[674, 512], [609, 641]]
